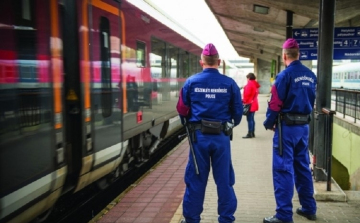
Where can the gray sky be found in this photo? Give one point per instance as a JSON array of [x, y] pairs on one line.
[[196, 17]]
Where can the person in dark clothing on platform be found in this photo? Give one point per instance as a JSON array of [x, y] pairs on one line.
[[209, 103], [251, 92], [288, 114]]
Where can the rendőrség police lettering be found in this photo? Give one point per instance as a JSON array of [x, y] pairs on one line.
[[304, 78], [210, 90]]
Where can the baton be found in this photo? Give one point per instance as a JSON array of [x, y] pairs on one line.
[[280, 135], [192, 149]]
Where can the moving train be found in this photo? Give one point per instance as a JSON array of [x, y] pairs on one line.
[[346, 76], [88, 90]]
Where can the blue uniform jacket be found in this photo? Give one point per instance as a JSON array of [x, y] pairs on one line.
[[294, 92], [212, 96]]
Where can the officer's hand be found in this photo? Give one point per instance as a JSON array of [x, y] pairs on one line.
[[270, 128], [270, 120], [268, 125]]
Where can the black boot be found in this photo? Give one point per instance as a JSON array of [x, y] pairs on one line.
[[249, 135], [253, 134]]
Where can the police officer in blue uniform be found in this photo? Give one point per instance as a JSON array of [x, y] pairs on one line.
[[288, 114], [210, 104]]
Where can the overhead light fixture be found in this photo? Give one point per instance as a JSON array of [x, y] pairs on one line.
[[261, 9], [258, 29]]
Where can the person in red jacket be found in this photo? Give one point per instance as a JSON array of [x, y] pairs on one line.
[[251, 91]]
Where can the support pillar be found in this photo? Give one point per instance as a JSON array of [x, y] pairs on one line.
[[263, 75], [323, 92], [289, 24]]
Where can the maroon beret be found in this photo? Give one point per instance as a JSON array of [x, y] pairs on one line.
[[290, 44], [209, 50]]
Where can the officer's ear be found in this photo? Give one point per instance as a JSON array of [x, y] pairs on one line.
[[284, 58], [201, 63], [219, 62]]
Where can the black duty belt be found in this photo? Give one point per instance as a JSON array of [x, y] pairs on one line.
[[197, 126], [208, 127], [295, 119]]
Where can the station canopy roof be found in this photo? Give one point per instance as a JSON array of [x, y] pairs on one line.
[[261, 34]]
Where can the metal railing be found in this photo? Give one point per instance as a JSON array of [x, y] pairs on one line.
[[346, 102], [329, 117], [322, 123]]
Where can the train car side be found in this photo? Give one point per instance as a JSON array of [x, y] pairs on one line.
[[31, 173], [346, 76], [87, 90]]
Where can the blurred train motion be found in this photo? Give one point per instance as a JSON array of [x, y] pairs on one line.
[[346, 76], [88, 90]]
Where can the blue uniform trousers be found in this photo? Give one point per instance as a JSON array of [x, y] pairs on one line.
[[292, 168], [214, 151]]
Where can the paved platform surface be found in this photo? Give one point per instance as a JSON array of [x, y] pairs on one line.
[[157, 197]]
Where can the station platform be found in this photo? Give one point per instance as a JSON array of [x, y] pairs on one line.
[[157, 197]]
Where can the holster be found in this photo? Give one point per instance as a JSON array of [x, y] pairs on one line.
[[296, 119], [192, 134], [228, 128]]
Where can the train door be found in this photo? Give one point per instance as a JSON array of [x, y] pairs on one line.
[[73, 96], [91, 36], [106, 87]]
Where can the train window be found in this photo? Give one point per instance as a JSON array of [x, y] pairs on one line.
[[194, 64], [191, 63], [28, 71], [140, 54], [157, 58], [169, 63], [183, 67], [24, 16], [25, 29], [172, 57], [172, 66], [26, 10], [183, 64], [106, 91]]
